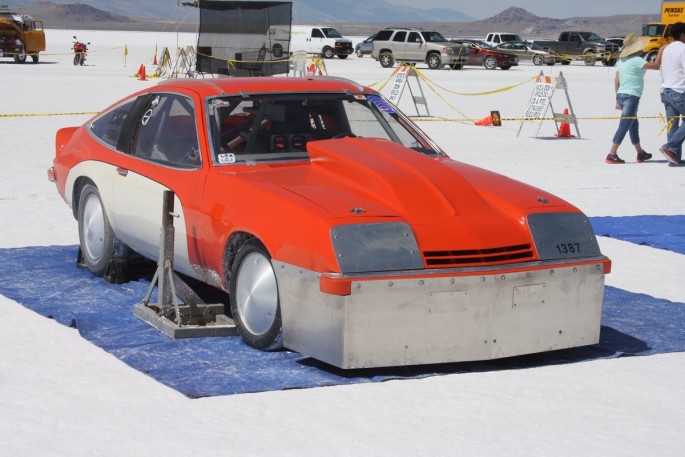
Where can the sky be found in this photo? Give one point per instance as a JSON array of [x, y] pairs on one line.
[[62, 396], [553, 9]]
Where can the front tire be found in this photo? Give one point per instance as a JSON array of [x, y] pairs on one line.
[[21, 56], [34, 58], [254, 298], [538, 59], [589, 59], [359, 53], [77, 58], [96, 236]]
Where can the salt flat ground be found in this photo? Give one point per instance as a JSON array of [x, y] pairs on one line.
[[61, 396]]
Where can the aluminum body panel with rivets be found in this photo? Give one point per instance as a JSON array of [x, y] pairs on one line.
[[423, 319]]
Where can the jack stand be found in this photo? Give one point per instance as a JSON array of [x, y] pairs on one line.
[[191, 319]]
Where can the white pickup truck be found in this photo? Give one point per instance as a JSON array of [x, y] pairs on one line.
[[495, 38]]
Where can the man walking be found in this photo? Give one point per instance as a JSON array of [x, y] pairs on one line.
[[673, 94]]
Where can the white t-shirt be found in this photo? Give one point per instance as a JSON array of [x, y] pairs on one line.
[[673, 67]]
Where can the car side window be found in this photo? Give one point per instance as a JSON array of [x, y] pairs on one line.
[[414, 37], [166, 132], [108, 127], [316, 33], [399, 36]]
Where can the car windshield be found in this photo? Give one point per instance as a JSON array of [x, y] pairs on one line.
[[266, 128], [484, 44], [331, 32], [433, 37]]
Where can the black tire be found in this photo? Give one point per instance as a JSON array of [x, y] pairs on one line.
[[359, 52], [434, 61], [21, 56], [651, 56], [589, 58], [342, 56], [566, 62], [77, 58], [96, 236], [609, 62], [83, 60], [34, 58], [386, 59], [490, 63], [457, 66], [505, 67], [538, 59], [254, 297], [277, 51], [327, 53]]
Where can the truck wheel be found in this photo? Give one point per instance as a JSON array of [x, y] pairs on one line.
[[651, 56], [386, 59], [457, 66], [34, 57], [434, 62], [589, 58], [537, 59], [342, 56], [277, 51], [21, 56], [609, 62], [254, 297], [565, 62], [490, 63], [327, 53]]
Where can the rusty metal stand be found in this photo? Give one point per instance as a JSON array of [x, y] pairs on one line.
[[192, 318]]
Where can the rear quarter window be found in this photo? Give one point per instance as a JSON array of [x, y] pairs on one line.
[[107, 128]]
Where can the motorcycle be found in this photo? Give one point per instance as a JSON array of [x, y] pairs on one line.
[[80, 49]]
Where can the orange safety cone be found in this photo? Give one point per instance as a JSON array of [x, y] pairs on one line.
[[137, 75], [487, 120], [154, 61], [565, 128], [141, 77]]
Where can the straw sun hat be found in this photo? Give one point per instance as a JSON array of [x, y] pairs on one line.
[[632, 44]]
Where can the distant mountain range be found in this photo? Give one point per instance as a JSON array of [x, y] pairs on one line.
[[350, 17], [304, 11]]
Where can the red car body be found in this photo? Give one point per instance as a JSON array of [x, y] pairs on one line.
[[482, 54], [339, 229]]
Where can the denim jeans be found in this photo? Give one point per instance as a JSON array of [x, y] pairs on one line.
[[628, 104], [674, 103]]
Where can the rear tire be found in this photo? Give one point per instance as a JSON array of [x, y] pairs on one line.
[[21, 56], [490, 63], [386, 59], [589, 59], [434, 62], [77, 59], [254, 297], [342, 56], [96, 236]]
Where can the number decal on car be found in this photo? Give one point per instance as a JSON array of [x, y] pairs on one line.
[[568, 248]]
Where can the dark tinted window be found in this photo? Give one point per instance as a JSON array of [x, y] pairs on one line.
[[400, 36], [108, 127], [383, 35]]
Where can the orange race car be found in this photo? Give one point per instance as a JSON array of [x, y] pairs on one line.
[[337, 227]]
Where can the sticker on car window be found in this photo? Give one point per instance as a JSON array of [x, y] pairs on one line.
[[382, 104], [226, 158]]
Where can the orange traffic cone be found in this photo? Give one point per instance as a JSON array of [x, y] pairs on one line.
[[141, 76], [137, 75], [565, 128], [487, 120], [154, 61]]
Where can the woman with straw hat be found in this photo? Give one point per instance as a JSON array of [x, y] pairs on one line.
[[629, 83]]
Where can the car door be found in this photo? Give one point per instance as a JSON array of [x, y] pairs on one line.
[[164, 155]]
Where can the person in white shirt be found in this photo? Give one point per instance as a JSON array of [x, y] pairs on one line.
[[673, 94]]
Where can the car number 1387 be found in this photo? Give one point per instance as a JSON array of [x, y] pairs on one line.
[[568, 248]]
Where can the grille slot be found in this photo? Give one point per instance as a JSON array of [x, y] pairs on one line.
[[478, 256]]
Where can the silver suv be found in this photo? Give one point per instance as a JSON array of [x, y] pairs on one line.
[[417, 45]]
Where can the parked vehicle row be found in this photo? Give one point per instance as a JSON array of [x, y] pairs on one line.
[[498, 50]]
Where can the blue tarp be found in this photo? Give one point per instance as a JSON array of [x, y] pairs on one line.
[[662, 232], [46, 280]]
